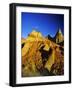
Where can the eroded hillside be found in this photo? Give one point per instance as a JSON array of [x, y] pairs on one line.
[[41, 56]]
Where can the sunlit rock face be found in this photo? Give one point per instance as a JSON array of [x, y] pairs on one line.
[[41, 56], [34, 36]]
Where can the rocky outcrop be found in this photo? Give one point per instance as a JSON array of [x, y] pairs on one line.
[[41, 56]]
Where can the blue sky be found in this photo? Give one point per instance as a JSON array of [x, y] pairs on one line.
[[47, 24]]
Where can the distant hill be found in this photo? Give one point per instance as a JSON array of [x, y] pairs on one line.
[[50, 38], [58, 38]]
